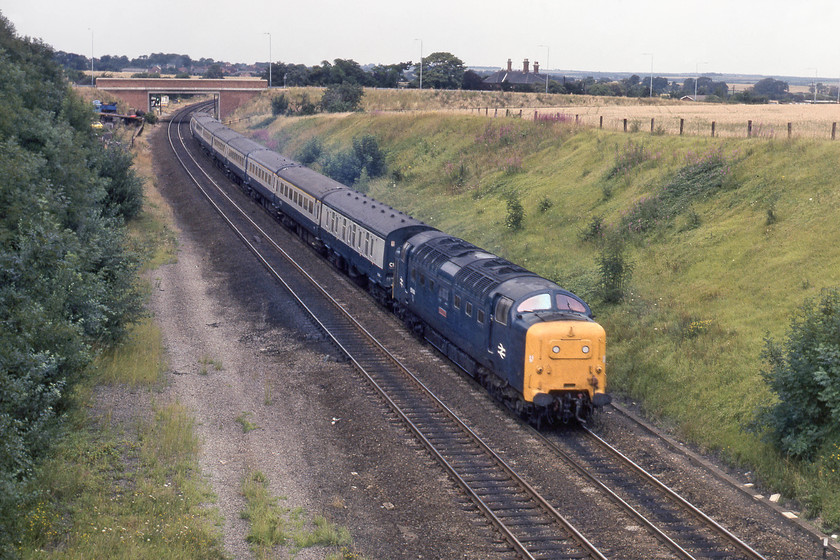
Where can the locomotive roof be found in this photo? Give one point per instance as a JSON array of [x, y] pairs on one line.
[[371, 213], [474, 269]]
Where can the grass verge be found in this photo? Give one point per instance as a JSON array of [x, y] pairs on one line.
[[273, 525]]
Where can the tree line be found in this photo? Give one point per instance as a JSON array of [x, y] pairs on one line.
[[441, 70], [67, 278]]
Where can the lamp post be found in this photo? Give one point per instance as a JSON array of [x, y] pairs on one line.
[[697, 77], [651, 71], [547, 53], [421, 62], [269, 58], [91, 58]]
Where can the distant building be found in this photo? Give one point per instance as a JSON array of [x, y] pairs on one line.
[[516, 77]]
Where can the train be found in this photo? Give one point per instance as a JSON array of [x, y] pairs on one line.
[[532, 344]]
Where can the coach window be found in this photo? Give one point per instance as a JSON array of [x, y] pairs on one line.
[[468, 309], [503, 310], [480, 316], [456, 302]]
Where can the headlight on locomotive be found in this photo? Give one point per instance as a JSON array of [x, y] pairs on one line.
[[565, 357]]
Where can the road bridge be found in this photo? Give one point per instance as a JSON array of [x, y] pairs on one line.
[[140, 92]]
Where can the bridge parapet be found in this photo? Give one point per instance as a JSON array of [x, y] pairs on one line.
[[137, 92]]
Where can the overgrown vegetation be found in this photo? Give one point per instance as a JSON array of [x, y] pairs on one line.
[[273, 525], [722, 237], [804, 374], [67, 277]]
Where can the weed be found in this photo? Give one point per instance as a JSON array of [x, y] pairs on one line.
[[206, 361], [247, 425], [545, 204], [272, 524]]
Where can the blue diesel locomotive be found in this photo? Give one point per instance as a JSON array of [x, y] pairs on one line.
[[532, 344]]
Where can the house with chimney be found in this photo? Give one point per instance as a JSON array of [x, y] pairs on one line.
[[511, 77]]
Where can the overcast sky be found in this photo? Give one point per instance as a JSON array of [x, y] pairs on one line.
[[768, 37]]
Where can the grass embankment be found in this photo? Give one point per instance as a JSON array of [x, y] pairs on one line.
[[125, 482], [727, 237]]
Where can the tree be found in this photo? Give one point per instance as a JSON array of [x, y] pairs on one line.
[[66, 278], [389, 76], [214, 71], [471, 80], [442, 70], [341, 98], [771, 88]]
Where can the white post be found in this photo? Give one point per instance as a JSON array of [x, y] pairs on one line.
[[421, 62], [269, 58], [547, 54]]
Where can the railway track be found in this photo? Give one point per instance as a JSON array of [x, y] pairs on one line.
[[683, 528], [527, 521]]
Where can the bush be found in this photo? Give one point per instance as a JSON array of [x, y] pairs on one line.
[[311, 151], [614, 270], [367, 151], [804, 373], [342, 98], [279, 105], [515, 213]]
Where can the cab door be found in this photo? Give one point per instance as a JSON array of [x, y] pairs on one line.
[[499, 341]]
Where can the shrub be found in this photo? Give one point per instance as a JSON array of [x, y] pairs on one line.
[[340, 98], [614, 270], [279, 105], [594, 230], [515, 213], [370, 156], [544, 205], [311, 151], [804, 373]]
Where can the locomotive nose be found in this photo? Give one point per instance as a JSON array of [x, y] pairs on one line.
[[563, 358]]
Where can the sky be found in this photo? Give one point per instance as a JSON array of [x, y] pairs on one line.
[[766, 37]]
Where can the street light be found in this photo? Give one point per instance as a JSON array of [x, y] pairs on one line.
[[815, 83], [91, 57], [269, 58], [651, 71], [547, 53], [697, 77], [421, 62]]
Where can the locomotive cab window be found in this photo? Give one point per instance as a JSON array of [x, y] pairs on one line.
[[503, 310], [567, 303], [540, 302]]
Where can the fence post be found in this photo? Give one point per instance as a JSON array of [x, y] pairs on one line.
[[625, 125], [601, 124], [749, 129], [577, 119], [495, 112], [486, 111], [507, 112], [682, 123], [713, 129], [536, 114], [833, 130], [651, 125], [520, 113], [790, 131]]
